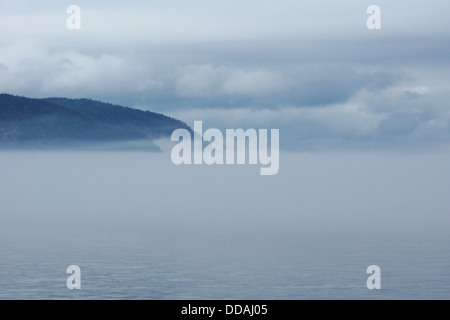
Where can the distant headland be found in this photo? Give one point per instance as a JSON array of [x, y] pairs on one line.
[[70, 123]]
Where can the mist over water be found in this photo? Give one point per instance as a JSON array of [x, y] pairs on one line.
[[142, 228]]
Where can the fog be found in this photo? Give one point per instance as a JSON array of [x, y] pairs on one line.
[[140, 227], [362, 192]]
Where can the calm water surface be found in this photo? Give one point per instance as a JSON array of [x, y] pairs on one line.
[[140, 228]]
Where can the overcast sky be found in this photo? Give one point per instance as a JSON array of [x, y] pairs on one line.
[[310, 68]]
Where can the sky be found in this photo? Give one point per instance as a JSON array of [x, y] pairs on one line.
[[309, 68]]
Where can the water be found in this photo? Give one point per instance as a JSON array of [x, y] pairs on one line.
[[142, 228]]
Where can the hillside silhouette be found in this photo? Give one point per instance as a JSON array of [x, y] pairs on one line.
[[53, 122]]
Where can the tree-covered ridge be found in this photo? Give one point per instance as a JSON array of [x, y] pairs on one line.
[[64, 120]]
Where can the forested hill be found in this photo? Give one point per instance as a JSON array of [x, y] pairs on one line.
[[60, 121]]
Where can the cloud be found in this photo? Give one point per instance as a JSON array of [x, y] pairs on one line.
[[323, 84], [295, 123], [38, 71], [207, 80], [200, 20], [370, 119], [209, 86]]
